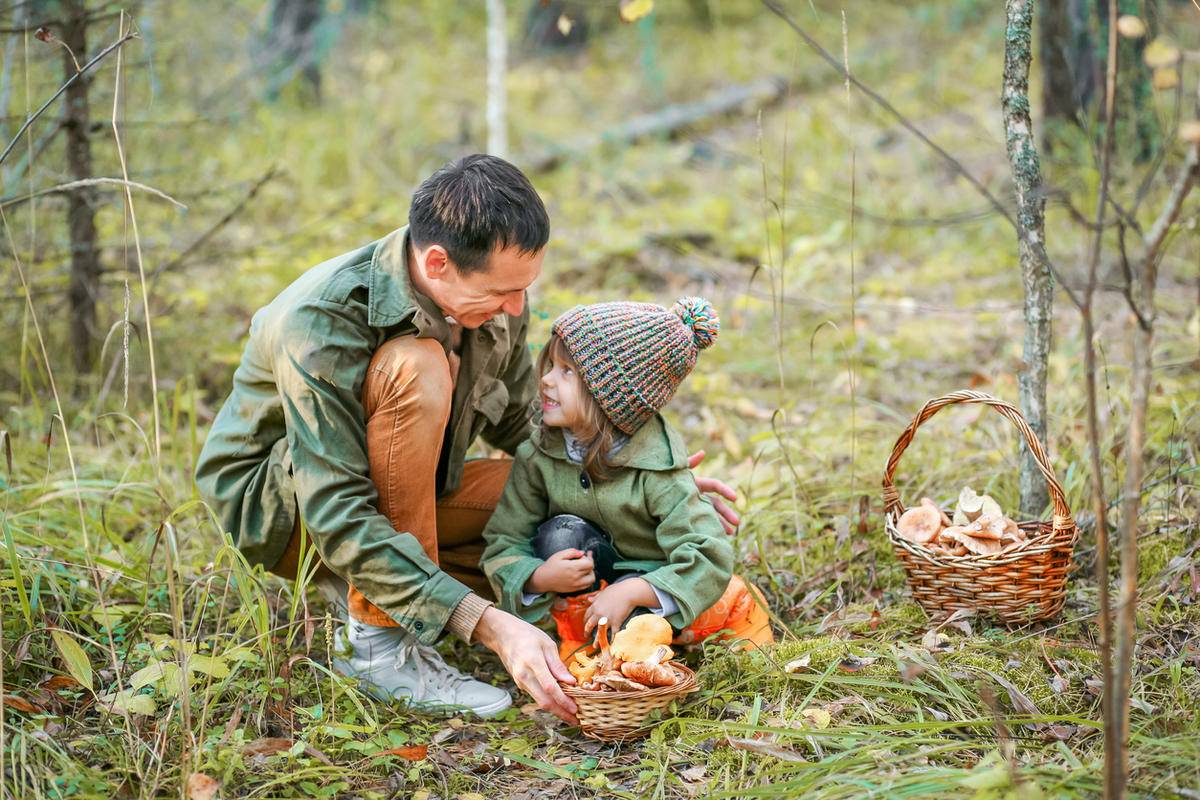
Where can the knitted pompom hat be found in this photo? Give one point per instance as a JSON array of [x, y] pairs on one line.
[[633, 356]]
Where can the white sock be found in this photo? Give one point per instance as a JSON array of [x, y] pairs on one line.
[[374, 641]]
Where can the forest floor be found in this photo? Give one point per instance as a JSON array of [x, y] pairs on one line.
[[139, 650]]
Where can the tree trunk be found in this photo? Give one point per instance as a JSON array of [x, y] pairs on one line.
[[1031, 244], [1137, 124], [1068, 64], [497, 73], [81, 219]]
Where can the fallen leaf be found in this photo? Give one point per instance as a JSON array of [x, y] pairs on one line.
[[57, 683], [797, 664], [268, 746], [910, 671], [767, 748], [20, 704], [935, 641], [128, 701], [409, 752], [694, 774], [854, 663], [456, 723], [940, 716], [1059, 684], [1094, 686], [1059, 733], [201, 787], [817, 717], [529, 709], [74, 657]]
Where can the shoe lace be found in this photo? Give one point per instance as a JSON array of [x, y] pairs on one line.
[[432, 669]]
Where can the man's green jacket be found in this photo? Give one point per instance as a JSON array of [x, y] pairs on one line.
[[292, 434]]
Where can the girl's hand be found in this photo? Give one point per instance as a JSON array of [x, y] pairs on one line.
[[565, 571], [617, 602]]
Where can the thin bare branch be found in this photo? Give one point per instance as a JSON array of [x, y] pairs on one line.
[[98, 58], [890, 109], [63, 188]]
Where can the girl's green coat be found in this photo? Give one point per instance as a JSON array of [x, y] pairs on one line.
[[659, 522]]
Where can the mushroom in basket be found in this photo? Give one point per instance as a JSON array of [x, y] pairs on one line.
[[638, 658]]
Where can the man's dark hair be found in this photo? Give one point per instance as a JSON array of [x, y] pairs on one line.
[[474, 206]]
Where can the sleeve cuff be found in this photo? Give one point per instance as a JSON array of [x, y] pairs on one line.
[[667, 604], [466, 616]]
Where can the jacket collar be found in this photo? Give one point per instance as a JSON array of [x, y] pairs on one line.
[[393, 299], [656, 446]]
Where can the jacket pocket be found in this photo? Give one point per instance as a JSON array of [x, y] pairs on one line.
[[490, 400]]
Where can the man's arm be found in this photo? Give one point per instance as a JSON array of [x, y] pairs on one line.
[[320, 360]]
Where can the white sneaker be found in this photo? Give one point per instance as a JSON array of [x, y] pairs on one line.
[[391, 665]]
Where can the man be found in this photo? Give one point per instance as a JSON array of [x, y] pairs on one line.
[[361, 388]]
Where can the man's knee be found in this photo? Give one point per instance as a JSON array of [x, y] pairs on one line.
[[409, 371]]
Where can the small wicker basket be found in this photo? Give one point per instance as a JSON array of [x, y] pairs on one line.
[[621, 716], [1021, 586]]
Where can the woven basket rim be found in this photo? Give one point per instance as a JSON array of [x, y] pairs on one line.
[[1030, 548], [688, 684]]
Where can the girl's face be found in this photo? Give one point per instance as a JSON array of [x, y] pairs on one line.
[[562, 394]]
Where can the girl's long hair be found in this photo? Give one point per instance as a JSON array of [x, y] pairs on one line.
[[599, 434]]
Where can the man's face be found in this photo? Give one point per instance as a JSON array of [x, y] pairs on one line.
[[475, 298]]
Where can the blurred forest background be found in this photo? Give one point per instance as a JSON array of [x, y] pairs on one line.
[[224, 146]]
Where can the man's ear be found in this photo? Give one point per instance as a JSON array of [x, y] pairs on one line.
[[437, 262]]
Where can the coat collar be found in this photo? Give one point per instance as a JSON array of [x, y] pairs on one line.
[[393, 299], [655, 446]]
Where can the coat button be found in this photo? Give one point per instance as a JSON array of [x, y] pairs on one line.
[[419, 625], [584, 481]]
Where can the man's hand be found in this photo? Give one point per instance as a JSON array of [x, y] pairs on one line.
[[617, 602], [713, 487], [531, 659], [565, 571]]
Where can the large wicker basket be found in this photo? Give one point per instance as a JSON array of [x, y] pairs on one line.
[[1020, 586], [621, 716]]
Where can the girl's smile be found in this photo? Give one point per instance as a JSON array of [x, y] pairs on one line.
[[562, 406]]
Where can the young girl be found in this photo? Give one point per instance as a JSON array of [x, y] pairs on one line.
[[601, 516]]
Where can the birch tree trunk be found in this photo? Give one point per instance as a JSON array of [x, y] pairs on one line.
[[497, 72], [1031, 243]]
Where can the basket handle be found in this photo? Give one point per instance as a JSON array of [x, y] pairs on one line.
[[891, 497]]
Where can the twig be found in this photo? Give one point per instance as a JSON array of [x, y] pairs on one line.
[[888, 107], [62, 188], [1099, 506], [216, 226], [99, 57]]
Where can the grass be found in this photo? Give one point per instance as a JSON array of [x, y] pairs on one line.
[[221, 670]]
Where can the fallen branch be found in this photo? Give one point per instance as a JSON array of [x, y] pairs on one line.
[[667, 121]]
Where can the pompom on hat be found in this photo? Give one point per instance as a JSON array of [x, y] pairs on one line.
[[633, 356]]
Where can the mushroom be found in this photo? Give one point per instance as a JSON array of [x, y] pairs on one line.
[[641, 637], [981, 547], [987, 527], [617, 683], [920, 524], [946, 522], [583, 666], [972, 506], [652, 671]]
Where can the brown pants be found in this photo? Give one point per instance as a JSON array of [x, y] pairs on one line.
[[406, 396]]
